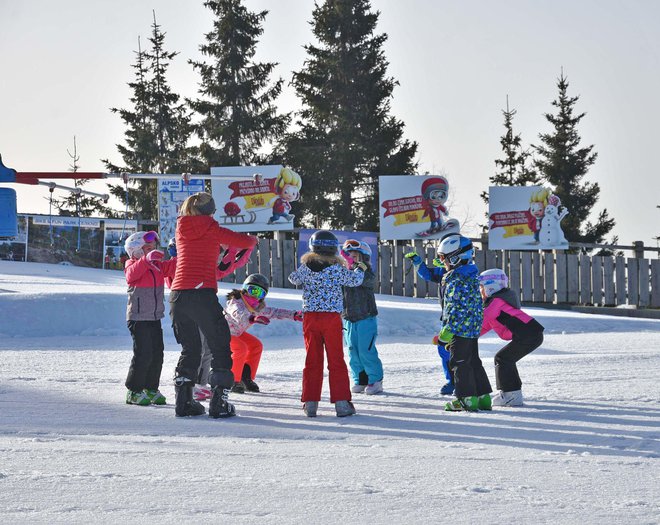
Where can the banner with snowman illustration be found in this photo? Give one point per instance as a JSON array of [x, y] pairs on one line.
[[255, 198], [525, 218], [415, 207]]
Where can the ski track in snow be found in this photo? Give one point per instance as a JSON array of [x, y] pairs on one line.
[[585, 448]]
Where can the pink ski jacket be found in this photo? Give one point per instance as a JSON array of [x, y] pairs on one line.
[[238, 314], [508, 321], [146, 288]]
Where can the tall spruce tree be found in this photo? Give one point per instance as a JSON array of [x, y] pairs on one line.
[[237, 108], [345, 136], [563, 164], [514, 169], [158, 128]]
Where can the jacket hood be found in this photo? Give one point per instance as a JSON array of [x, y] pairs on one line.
[[194, 226], [507, 295], [317, 262]]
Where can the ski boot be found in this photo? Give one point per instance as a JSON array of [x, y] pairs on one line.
[[508, 399], [468, 404], [137, 398], [484, 402], [344, 408], [185, 405], [155, 397], [238, 387], [310, 408], [248, 383], [447, 389], [219, 406]]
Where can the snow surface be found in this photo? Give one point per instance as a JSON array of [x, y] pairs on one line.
[[584, 449]]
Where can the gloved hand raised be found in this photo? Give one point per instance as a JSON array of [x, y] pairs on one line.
[[347, 257], [259, 319], [361, 266], [155, 256], [414, 257], [298, 316]]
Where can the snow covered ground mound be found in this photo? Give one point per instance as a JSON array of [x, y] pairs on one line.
[[585, 448]]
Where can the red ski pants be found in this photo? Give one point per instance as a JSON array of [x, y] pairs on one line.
[[245, 350], [324, 330]]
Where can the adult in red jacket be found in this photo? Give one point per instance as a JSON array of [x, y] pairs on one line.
[[194, 305]]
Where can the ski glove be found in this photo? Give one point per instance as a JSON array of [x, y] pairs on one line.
[[155, 256], [437, 342], [259, 319], [361, 266], [349, 259], [414, 257], [445, 336], [298, 316]]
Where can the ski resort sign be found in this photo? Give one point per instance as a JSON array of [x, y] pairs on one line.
[[414, 207]]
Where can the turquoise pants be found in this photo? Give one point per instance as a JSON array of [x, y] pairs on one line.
[[360, 338]]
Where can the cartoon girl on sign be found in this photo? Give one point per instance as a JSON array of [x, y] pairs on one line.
[[537, 203], [435, 191], [287, 187]]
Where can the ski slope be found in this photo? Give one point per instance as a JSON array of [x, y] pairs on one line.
[[585, 448]]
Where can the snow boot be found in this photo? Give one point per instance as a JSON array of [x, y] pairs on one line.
[[447, 389], [358, 389], [238, 387], [508, 399], [374, 388], [155, 397], [310, 408], [468, 404], [248, 383], [344, 408], [185, 405], [137, 398], [485, 402], [220, 407]]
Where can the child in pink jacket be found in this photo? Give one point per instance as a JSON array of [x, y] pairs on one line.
[[502, 313], [145, 275], [246, 307]]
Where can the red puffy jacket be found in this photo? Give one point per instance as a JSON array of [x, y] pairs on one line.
[[198, 240]]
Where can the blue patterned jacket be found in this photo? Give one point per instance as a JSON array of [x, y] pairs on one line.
[[462, 308], [322, 278]]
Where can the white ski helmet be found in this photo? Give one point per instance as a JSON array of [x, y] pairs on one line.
[[455, 250], [493, 281], [136, 242]]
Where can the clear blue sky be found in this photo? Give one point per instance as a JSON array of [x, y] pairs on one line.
[[64, 64]]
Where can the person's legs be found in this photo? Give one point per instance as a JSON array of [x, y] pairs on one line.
[[239, 353], [337, 370], [367, 333], [507, 378], [142, 355], [152, 380], [313, 371], [351, 338]]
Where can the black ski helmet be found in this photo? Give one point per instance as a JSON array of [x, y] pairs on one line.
[[256, 279], [324, 242]]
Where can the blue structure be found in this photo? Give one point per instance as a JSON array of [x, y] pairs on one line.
[[8, 218]]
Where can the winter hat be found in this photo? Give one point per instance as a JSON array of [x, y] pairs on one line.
[[434, 184], [493, 281]]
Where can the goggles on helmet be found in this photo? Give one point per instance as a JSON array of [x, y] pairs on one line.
[[255, 291], [150, 236]]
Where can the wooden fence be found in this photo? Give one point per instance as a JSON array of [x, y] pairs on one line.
[[539, 277]]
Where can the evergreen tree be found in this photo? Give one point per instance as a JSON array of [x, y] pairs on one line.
[[237, 110], [345, 136], [513, 169], [158, 128], [563, 164], [80, 205]]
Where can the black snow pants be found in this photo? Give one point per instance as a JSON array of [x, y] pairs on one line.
[[507, 378], [470, 378], [192, 312], [147, 362]]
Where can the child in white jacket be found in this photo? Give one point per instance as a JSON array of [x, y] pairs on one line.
[[246, 307]]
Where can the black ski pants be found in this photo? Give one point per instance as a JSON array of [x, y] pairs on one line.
[[507, 378], [192, 312], [147, 362], [470, 378]]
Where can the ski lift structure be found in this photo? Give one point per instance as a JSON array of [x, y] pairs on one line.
[[8, 208]]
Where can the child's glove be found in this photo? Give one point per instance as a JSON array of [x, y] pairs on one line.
[[298, 316], [361, 266], [445, 337], [155, 256], [414, 257], [259, 319], [349, 259]]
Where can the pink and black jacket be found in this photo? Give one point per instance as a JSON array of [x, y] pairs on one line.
[[502, 313], [146, 288]]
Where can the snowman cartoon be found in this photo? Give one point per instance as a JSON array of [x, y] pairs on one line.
[[551, 233]]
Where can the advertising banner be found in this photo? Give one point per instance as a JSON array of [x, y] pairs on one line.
[[414, 207], [171, 194], [525, 218], [258, 198], [65, 240]]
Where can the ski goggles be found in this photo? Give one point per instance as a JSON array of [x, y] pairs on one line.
[[150, 236], [255, 291], [351, 244]]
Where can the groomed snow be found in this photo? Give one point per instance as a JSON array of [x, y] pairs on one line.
[[584, 449]]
